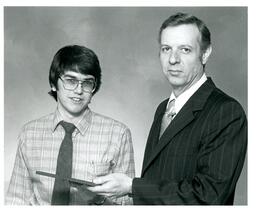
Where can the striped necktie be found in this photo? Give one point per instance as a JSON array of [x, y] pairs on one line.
[[168, 116]]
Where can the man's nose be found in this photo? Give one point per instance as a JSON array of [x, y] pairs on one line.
[[174, 58], [79, 88]]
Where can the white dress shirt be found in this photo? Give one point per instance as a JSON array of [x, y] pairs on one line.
[[183, 97]]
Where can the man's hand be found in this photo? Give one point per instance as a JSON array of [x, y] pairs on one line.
[[112, 185]]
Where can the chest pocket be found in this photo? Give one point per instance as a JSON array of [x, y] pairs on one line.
[[99, 168]]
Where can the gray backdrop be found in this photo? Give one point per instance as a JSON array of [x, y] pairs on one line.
[[125, 40]]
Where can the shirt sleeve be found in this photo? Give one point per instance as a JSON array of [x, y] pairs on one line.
[[125, 162], [20, 188]]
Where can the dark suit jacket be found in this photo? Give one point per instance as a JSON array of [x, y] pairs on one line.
[[199, 157]]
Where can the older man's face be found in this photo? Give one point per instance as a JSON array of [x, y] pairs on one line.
[[180, 56]]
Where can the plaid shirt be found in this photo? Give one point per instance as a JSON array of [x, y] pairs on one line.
[[101, 145]]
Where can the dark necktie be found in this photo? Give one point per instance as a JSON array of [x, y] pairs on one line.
[[168, 116], [61, 189]]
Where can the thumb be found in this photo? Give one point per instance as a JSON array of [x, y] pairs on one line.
[[101, 179]]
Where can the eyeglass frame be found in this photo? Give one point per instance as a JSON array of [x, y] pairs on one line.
[[80, 82]]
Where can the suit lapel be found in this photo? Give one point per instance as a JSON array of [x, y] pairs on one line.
[[182, 119], [154, 132], [178, 123]]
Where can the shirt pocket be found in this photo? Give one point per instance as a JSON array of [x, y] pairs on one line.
[[100, 168]]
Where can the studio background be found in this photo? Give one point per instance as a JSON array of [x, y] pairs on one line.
[[125, 40]]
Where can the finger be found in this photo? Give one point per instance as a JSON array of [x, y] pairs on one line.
[[102, 179], [105, 188], [97, 189], [109, 195]]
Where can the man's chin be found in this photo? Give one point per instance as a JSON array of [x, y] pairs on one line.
[[176, 81], [78, 112]]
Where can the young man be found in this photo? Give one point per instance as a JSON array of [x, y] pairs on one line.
[[97, 145], [197, 143]]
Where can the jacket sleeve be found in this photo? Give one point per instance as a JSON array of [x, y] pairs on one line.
[[219, 164]]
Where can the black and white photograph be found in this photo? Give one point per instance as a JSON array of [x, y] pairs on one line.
[[125, 105]]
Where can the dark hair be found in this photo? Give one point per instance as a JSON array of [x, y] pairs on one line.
[[183, 18], [74, 58]]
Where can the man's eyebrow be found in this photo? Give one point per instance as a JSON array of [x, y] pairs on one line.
[[74, 77], [163, 45], [67, 75], [186, 45]]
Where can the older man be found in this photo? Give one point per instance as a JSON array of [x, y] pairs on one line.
[[197, 143]]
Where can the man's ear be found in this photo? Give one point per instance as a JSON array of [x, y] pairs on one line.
[[206, 55]]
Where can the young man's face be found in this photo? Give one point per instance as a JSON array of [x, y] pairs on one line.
[[180, 56], [72, 103]]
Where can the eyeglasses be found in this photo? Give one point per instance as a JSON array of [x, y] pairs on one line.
[[88, 85]]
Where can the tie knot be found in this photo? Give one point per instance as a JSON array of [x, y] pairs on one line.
[[170, 110], [68, 127]]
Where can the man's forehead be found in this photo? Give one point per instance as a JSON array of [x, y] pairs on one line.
[[185, 33], [77, 75]]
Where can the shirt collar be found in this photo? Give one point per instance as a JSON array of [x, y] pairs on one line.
[[183, 98], [81, 124]]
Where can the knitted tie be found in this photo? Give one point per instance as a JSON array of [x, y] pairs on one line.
[[168, 116], [61, 189]]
